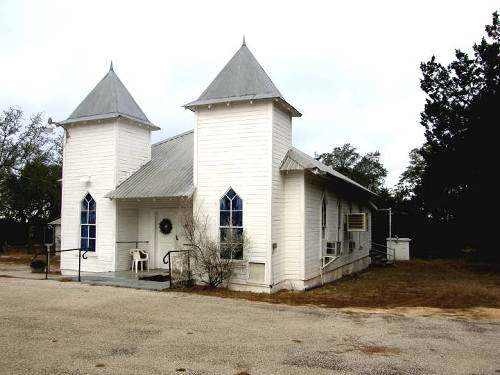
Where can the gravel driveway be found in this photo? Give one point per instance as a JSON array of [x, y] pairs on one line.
[[51, 327]]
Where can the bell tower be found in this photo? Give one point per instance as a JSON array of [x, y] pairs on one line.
[[108, 137], [242, 132]]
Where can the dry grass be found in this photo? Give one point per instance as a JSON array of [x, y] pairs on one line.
[[16, 258], [22, 257], [442, 283], [65, 280]]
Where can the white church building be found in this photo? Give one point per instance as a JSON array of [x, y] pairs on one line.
[[307, 223]]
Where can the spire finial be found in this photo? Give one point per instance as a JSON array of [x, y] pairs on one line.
[[111, 65], [243, 44]]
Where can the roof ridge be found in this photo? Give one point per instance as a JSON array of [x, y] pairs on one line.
[[114, 90], [131, 97], [173, 137]]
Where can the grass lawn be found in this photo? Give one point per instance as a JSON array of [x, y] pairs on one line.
[[439, 283]]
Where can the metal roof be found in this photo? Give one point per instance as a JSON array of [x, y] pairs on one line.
[[169, 173], [109, 99], [243, 78], [297, 160]]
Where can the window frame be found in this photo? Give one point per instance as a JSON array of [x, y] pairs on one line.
[[224, 228], [324, 213], [90, 241]]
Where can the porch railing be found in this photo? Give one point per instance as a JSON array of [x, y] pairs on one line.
[[384, 251], [80, 256], [136, 242], [169, 262]]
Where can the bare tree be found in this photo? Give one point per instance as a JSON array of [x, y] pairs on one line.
[[214, 261]]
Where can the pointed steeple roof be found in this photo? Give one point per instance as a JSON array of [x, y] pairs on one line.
[[109, 99], [243, 78]]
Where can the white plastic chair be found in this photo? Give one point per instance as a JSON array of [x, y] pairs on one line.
[[139, 256]]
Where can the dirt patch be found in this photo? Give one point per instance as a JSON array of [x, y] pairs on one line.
[[457, 284], [477, 313], [377, 350], [16, 259]]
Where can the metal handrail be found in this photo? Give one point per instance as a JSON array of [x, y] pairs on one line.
[[169, 262], [80, 256], [382, 252], [322, 267], [387, 247], [387, 254], [386, 251], [136, 242]]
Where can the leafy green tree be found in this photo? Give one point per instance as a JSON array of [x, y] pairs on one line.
[[460, 119], [367, 170], [451, 177], [30, 166], [34, 194], [411, 178]]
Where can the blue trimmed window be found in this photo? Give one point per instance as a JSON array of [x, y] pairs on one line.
[[231, 225], [87, 223]]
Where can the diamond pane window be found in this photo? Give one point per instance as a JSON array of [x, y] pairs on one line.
[[88, 223], [231, 225]]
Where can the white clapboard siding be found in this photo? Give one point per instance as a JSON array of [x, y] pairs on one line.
[[333, 231], [315, 187], [291, 251], [281, 143], [108, 151], [233, 149], [148, 224], [127, 224], [89, 151], [133, 148], [313, 194]]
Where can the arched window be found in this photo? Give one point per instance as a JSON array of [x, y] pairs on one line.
[[87, 223], [231, 225]]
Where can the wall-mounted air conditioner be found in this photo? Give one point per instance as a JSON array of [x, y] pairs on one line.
[[356, 222], [334, 248]]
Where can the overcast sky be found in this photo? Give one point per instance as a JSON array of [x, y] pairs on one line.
[[351, 68]]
